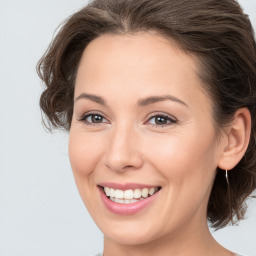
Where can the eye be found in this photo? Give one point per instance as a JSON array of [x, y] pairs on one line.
[[93, 119], [161, 120]]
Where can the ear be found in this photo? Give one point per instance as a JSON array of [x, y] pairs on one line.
[[237, 140]]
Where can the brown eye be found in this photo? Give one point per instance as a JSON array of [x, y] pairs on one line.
[[92, 119], [95, 118], [161, 120]]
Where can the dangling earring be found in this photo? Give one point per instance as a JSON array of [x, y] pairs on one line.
[[229, 197], [227, 176]]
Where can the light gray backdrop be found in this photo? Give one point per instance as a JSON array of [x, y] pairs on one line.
[[41, 213]]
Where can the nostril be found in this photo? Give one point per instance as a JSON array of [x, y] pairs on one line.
[[122, 156], [129, 167]]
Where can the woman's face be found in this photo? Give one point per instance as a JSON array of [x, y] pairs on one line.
[[141, 125]]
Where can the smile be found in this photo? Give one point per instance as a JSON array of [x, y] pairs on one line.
[[129, 196], [127, 199]]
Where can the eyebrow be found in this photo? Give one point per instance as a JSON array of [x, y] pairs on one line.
[[91, 97], [154, 99], [141, 103]]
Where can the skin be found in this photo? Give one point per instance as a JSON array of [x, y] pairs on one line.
[[129, 146]]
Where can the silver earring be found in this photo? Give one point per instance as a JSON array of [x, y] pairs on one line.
[[227, 176]]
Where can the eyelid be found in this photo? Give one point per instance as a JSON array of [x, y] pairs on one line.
[[173, 119], [162, 114], [85, 115]]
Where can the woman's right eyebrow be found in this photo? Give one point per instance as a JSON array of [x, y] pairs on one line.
[[141, 102], [91, 97]]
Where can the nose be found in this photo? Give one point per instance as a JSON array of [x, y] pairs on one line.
[[123, 152]]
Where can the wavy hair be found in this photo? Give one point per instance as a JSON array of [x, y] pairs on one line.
[[218, 33]]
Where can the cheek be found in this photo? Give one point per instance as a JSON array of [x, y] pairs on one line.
[[180, 158], [187, 167], [84, 153]]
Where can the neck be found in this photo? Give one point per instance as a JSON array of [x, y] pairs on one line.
[[190, 240]]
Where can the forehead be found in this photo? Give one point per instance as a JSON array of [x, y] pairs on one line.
[[142, 64], [143, 49], [137, 54]]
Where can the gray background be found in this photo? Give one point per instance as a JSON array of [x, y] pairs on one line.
[[41, 212]]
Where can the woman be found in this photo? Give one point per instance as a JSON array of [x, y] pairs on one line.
[[159, 97]]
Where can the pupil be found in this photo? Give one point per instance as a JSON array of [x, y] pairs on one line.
[[161, 120], [96, 119]]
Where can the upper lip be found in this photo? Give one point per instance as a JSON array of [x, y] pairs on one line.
[[126, 186]]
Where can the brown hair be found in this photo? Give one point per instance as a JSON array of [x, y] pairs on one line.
[[218, 33]]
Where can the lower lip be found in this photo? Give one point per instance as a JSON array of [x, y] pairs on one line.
[[126, 209]]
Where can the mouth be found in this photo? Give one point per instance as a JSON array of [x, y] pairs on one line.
[[129, 196], [127, 199]]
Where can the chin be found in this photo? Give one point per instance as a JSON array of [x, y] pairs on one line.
[[129, 238], [132, 232]]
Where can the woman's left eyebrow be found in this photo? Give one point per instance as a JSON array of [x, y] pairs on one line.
[[141, 102], [153, 99]]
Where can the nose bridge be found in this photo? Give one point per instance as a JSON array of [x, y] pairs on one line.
[[123, 151]]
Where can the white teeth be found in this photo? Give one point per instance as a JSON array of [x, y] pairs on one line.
[[107, 191], [121, 201], [151, 191], [129, 196], [112, 192], [119, 194], [137, 193], [144, 192], [124, 201]]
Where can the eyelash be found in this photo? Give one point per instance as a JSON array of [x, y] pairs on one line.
[[169, 119], [85, 116]]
